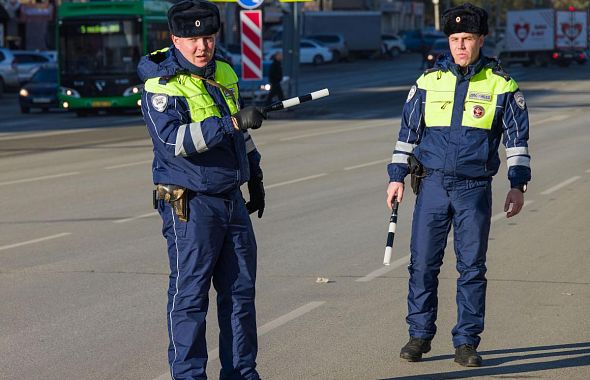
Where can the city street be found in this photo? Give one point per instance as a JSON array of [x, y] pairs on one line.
[[84, 269]]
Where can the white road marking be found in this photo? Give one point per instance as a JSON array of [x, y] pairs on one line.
[[43, 134], [380, 123], [153, 213], [25, 180], [384, 269], [561, 185], [367, 164], [296, 180], [129, 164], [276, 323], [406, 259], [5, 247]]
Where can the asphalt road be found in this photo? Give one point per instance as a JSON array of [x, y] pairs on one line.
[[83, 267]]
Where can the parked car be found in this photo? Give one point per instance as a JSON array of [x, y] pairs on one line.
[[335, 42], [40, 91], [414, 39], [393, 45], [28, 62], [8, 73], [255, 92], [441, 46], [309, 52]]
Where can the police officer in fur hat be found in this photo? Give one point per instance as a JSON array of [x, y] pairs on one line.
[[453, 121], [203, 153]]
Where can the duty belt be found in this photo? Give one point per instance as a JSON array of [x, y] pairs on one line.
[[176, 196]]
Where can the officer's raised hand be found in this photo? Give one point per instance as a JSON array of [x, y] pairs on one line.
[[250, 117], [257, 194]]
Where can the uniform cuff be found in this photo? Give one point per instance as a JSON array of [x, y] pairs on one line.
[[397, 172]]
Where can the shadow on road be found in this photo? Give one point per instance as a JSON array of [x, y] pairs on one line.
[[493, 366]]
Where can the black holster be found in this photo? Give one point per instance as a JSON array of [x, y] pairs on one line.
[[417, 172], [175, 195]]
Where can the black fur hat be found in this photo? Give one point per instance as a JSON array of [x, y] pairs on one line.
[[466, 18], [193, 18]]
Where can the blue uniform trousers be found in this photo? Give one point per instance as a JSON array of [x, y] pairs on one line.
[[466, 205], [216, 244]]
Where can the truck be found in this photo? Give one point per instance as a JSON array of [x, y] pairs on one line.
[[361, 29], [541, 36]]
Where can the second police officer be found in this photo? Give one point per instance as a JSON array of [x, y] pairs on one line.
[[202, 154], [453, 122]]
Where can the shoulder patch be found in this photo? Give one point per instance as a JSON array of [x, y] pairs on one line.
[[411, 93], [160, 102], [519, 99]]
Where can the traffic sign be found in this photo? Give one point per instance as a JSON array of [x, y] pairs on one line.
[[250, 4], [251, 33]]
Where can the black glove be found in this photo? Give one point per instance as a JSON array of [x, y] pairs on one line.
[[250, 117], [256, 190]]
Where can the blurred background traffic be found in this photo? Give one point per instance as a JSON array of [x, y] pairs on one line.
[[81, 56]]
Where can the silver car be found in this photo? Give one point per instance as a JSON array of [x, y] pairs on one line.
[[8, 72], [335, 42], [18, 66], [28, 62]]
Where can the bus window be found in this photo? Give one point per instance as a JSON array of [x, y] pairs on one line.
[[158, 36], [100, 46]]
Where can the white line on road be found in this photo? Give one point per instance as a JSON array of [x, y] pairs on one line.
[[367, 164], [384, 269], [43, 134], [406, 259], [214, 353], [25, 180], [129, 164], [153, 213], [381, 123], [561, 185], [4, 247], [296, 180]]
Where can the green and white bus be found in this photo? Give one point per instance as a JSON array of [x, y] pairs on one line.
[[99, 45]]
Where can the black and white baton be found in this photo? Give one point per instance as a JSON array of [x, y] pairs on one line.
[[297, 100], [391, 233]]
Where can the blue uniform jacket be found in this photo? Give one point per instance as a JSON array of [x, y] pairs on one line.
[[209, 157], [458, 150]]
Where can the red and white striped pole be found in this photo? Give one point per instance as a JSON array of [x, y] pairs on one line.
[[251, 33]]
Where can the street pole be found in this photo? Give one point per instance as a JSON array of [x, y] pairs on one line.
[[436, 15]]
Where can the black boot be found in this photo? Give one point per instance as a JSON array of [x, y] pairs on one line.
[[467, 356], [414, 349]]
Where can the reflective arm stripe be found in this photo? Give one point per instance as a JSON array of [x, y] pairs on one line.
[[196, 134], [518, 156], [517, 151], [179, 148], [519, 160], [399, 158], [404, 147], [250, 146]]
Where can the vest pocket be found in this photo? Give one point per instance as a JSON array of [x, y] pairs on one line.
[[438, 108]]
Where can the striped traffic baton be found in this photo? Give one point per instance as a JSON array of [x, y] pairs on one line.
[[281, 105], [391, 233]]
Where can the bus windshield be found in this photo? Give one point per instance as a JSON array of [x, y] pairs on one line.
[[99, 46]]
